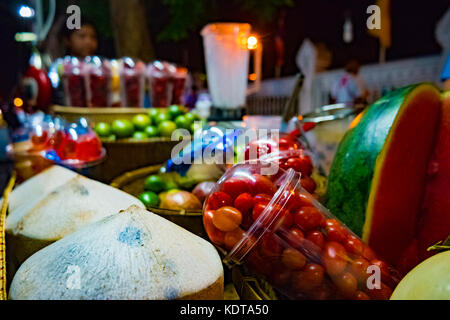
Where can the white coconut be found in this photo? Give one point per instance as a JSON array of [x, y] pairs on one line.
[[134, 254], [53, 204]]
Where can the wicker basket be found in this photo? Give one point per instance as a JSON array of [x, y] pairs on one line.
[[250, 288], [94, 115], [133, 183]]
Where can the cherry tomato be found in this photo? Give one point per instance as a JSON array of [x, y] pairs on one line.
[[214, 234], [258, 264], [384, 293], [368, 253], [284, 219], [359, 295], [308, 218], [308, 183], [284, 143], [337, 234], [294, 237], [301, 164], [322, 292], [293, 259], [346, 284], [257, 210], [219, 199], [233, 237], [354, 245], [358, 267], [227, 218], [310, 277], [263, 184], [384, 269], [280, 276], [296, 199], [316, 237], [270, 246], [334, 258], [235, 186], [262, 198], [306, 165], [244, 203]]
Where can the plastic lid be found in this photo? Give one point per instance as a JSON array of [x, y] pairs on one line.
[[225, 28], [290, 180]]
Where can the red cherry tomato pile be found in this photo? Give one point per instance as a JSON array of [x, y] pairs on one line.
[[290, 155], [304, 252], [67, 144], [99, 85]]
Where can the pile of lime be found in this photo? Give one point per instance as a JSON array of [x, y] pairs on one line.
[[156, 123], [156, 184]]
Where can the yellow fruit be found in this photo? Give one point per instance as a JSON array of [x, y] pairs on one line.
[[430, 280]]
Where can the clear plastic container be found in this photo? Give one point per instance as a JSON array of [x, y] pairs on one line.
[[264, 220], [178, 83], [74, 82], [159, 76], [70, 144], [132, 83], [99, 81]]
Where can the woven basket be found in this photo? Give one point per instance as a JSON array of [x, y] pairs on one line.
[[133, 183], [94, 115]]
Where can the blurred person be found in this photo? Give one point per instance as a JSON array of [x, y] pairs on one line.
[[81, 42], [350, 87]]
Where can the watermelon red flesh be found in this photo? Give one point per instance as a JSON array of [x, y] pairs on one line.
[[398, 184], [434, 224]]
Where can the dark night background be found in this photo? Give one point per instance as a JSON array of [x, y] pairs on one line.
[[412, 28]]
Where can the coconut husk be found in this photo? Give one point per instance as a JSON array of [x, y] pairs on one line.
[[134, 254]]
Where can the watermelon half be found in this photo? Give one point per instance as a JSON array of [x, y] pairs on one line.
[[377, 180]]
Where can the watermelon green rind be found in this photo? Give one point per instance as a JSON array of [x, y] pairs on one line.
[[352, 171]]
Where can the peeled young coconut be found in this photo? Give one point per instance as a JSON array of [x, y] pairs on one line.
[[53, 204], [134, 254]]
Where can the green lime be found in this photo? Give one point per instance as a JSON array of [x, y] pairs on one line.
[[122, 128], [140, 121], [183, 122], [151, 131], [191, 117], [149, 199], [160, 117], [153, 113], [196, 125], [154, 183], [103, 129], [139, 135], [175, 111], [166, 128]]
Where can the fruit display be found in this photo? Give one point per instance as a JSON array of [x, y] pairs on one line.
[[389, 181], [132, 83], [176, 192], [289, 152], [72, 144], [53, 204], [273, 226], [166, 82], [430, 280], [156, 123], [132, 254], [99, 80], [74, 82]]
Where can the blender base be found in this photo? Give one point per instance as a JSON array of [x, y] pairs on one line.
[[223, 114]]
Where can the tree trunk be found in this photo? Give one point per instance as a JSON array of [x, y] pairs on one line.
[[132, 36]]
